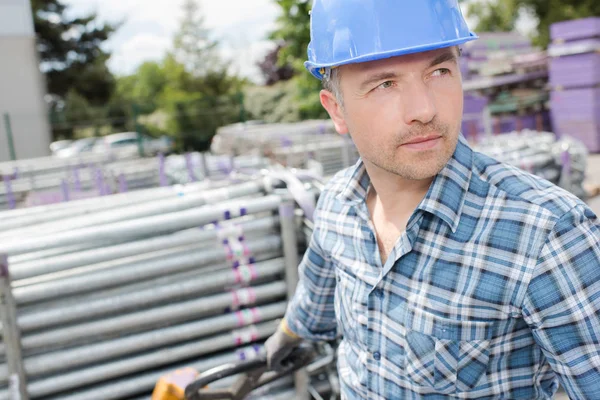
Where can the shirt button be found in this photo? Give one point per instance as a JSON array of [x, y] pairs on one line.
[[377, 356], [379, 293]]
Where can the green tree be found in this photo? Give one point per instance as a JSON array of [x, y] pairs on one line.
[[502, 15], [293, 29], [70, 52]]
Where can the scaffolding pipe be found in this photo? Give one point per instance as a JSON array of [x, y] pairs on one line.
[[59, 361], [197, 286], [158, 224], [69, 380], [136, 211], [134, 272], [94, 256]]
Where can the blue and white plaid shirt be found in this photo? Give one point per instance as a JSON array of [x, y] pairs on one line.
[[493, 291]]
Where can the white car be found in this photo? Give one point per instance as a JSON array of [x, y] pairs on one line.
[[126, 143], [78, 147]]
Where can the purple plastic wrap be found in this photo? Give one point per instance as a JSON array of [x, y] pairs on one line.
[[581, 70], [576, 113], [575, 29]]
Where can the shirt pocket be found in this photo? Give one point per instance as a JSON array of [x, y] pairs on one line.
[[448, 355]]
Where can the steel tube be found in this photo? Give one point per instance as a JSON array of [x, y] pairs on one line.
[[66, 381], [133, 273], [198, 286], [58, 361], [94, 256], [112, 327], [135, 211], [135, 228]]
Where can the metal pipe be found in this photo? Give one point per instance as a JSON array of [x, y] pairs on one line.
[[198, 286], [67, 359], [135, 211], [82, 377], [130, 386], [134, 272], [94, 256], [154, 225], [35, 215], [163, 280], [137, 321]]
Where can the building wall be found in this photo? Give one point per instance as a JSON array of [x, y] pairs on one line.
[[22, 86]]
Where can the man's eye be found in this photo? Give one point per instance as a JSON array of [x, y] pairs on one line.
[[386, 85], [441, 72]]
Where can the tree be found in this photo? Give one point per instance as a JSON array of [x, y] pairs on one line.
[[271, 68], [502, 15], [193, 46], [70, 52], [293, 29]]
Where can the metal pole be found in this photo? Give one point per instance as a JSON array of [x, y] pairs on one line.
[[84, 377], [9, 137], [11, 335], [290, 252]]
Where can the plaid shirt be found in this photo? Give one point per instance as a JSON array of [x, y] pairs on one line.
[[492, 292]]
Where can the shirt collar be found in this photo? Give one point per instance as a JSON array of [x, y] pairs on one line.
[[446, 195]]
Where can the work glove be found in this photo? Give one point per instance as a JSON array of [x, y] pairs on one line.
[[280, 345]]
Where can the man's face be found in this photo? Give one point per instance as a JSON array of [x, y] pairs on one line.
[[404, 113]]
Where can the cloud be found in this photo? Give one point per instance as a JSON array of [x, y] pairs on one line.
[[137, 50], [149, 25]]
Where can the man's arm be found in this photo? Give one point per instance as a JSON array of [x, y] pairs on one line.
[[562, 304]]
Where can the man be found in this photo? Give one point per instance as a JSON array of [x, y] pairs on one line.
[[448, 274]]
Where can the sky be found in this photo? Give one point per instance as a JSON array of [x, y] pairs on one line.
[[148, 27]]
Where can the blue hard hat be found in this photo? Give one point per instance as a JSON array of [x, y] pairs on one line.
[[353, 31]]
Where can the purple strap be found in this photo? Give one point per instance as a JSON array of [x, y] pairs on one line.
[[65, 190], [9, 194], [190, 167], [161, 170]]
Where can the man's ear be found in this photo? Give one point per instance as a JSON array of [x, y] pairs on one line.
[[335, 111]]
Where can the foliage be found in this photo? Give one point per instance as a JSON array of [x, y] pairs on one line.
[[272, 70], [70, 52], [501, 15], [293, 29]]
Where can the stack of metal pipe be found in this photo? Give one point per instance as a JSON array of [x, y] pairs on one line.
[[103, 297], [561, 161], [51, 180]]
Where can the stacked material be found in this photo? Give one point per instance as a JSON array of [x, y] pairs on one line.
[[193, 167], [41, 181], [560, 161], [259, 138], [504, 69], [104, 301], [575, 80], [306, 145]]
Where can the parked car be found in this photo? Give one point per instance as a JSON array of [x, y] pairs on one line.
[[59, 145], [77, 148], [127, 143]]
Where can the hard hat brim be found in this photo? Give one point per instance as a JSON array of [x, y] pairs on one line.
[[316, 69]]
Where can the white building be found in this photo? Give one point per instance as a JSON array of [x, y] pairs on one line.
[[22, 86]]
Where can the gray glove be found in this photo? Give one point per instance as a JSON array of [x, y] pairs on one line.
[[279, 346]]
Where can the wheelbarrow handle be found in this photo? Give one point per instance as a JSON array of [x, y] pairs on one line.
[[255, 374]]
